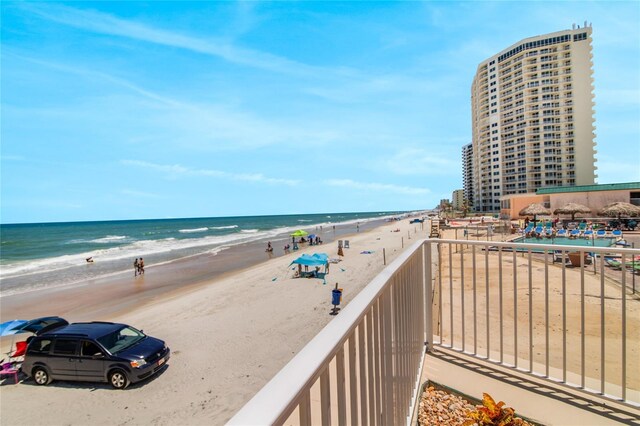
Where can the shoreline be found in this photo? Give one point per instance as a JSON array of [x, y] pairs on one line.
[[228, 336], [102, 298]]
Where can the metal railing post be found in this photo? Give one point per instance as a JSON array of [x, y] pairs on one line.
[[428, 305]]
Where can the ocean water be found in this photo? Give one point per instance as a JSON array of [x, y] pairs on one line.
[[43, 255]]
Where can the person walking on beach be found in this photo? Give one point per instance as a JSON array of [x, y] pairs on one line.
[[136, 267], [141, 267]]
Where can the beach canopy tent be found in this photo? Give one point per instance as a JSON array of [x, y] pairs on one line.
[[572, 209], [316, 259], [11, 327], [34, 326], [300, 233]]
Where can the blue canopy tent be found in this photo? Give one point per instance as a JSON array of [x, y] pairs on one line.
[[314, 260]]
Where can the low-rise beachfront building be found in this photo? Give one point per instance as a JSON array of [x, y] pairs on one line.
[[457, 199], [593, 196]]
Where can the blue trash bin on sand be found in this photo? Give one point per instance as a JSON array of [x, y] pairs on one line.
[[336, 295]]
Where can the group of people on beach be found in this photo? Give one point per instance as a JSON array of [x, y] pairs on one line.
[[138, 267]]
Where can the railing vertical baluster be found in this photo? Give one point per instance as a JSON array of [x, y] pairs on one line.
[[387, 378], [397, 345], [340, 384], [353, 385], [305, 409], [370, 372], [530, 314], [582, 319], [500, 304], [325, 398], [440, 313], [546, 312], [564, 316], [427, 311], [515, 310], [624, 328], [451, 294], [363, 374], [486, 289], [377, 364], [602, 339], [462, 310], [475, 318]]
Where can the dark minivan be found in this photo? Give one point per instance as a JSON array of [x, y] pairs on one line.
[[94, 352]]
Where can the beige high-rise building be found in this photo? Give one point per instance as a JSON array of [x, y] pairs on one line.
[[533, 117]]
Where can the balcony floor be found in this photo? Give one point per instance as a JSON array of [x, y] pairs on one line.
[[534, 398]]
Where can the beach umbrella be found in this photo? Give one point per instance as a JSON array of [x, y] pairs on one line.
[[299, 233], [534, 210], [11, 327], [619, 209], [572, 209]]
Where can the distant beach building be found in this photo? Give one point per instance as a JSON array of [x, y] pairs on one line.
[[457, 199], [593, 196], [533, 117], [467, 173]]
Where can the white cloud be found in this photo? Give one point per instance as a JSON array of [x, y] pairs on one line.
[[176, 170], [421, 162], [372, 186], [104, 23]]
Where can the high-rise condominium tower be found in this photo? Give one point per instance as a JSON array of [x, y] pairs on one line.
[[533, 117]]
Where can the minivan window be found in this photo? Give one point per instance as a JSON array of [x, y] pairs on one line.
[[121, 339], [40, 346], [89, 349], [65, 347]]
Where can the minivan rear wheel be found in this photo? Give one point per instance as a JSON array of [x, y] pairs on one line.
[[40, 376], [118, 379]]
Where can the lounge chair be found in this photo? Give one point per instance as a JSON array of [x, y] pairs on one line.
[[561, 233], [558, 256], [538, 230], [616, 233], [588, 233], [601, 233], [574, 233], [346, 243]]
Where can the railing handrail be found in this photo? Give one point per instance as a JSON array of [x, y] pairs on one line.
[[274, 403], [508, 244]]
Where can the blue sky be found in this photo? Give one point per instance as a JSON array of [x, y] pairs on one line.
[[126, 110]]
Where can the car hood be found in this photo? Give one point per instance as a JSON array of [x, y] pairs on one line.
[[145, 348]]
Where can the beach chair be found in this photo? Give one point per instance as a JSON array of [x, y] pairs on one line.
[[558, 256], [538, 230], [588, 233], [561, 233], [601, 233], [346, 243], [9, 369]]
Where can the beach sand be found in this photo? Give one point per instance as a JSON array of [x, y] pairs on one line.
[[229, 336]]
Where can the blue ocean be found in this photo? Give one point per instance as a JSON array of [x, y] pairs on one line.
[[43, 255]]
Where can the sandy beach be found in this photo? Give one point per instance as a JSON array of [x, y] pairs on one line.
[[228, 335]]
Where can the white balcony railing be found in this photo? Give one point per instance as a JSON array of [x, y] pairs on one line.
[[368, 359], [503, 303]]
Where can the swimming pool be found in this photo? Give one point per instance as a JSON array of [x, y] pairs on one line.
[[564, 241]]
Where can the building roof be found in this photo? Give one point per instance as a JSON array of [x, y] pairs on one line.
[[589, 188]]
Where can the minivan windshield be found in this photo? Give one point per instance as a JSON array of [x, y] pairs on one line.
[[121, 339]]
